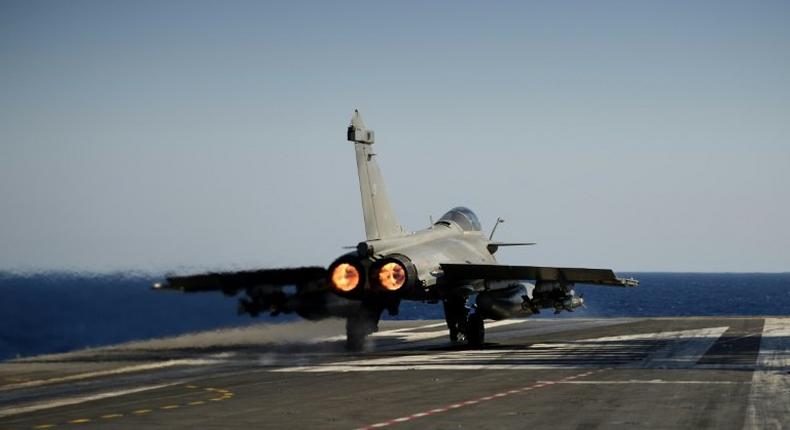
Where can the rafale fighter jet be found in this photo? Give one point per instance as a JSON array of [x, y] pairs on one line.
[[451, 262]]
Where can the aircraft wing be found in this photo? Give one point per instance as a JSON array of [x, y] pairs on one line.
[[559, 274], [301, 290], [231, 282]]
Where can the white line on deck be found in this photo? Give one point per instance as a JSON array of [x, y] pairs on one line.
[[771, 381], [411, 334], [110, 372], [655, 381], [77, 400], [677, 349]]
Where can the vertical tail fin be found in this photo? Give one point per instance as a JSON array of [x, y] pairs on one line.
[[380, 220]]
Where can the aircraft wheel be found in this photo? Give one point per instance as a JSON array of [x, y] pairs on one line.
[[359, 326], [475, 331], [355, 338], [455, 314]]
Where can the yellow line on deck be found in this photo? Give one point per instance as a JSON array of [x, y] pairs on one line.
[[224, 395]]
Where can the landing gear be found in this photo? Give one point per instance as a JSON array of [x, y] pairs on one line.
[[475, 331], [360, 325], [455, 314], [464, 328]]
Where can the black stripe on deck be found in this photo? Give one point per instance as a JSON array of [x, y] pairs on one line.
[[738, 346]]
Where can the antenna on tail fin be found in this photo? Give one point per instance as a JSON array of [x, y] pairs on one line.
[[380, 220]]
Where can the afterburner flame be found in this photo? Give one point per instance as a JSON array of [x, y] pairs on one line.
[[392, 276], [345, 277]]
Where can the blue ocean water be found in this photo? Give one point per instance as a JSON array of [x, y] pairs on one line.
[[57, 312]]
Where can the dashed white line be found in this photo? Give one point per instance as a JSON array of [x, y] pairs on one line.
[[471, 402]]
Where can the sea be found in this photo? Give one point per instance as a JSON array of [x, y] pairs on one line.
[[58, 312]]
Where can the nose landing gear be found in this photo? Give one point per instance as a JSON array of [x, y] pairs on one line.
[[360, 325]]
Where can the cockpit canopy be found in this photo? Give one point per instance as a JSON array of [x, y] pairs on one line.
[[464, 217]]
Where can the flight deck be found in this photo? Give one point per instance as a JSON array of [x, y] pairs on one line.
[[723, 373]]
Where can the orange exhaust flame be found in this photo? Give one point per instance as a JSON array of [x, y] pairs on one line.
[[392, 276], [345, 277]]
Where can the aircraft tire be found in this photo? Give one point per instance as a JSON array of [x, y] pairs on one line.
[[475, 331], [356, 332], [359, 326], [455, 314]]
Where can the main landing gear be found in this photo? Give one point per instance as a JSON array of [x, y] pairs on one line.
[[475, 331], [464, 328]]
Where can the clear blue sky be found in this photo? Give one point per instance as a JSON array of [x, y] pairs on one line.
[[210, 135]]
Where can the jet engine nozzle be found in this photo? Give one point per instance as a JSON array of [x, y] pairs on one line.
[[346, 275], [392, 276], [394, 273]]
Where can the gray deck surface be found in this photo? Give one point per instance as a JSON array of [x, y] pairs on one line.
[[723, 373]]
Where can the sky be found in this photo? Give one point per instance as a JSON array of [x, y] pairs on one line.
[[210, 135]]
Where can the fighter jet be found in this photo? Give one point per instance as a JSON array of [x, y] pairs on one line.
[[452, 262]]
